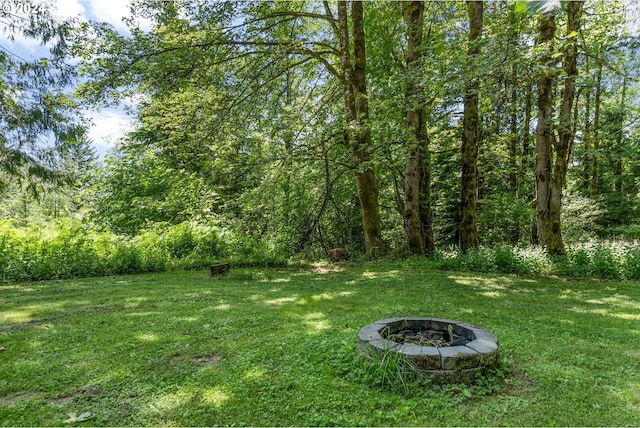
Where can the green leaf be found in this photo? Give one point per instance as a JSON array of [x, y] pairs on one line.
[[521, 7], [73, 418]]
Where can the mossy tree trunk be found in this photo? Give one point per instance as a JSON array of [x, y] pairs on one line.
[[469, 188], [358, 132], [417, 174], [550, 175]]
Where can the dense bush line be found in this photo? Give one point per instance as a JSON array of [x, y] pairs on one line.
[[68, 249], [612, 260]]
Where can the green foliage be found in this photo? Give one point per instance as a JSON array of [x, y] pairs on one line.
[[39, 121], [136, 189], [69, 249], [242, 127], [614, 260], [611, 260], [580, 218], [248, 251], [504, 218], [542, 7]]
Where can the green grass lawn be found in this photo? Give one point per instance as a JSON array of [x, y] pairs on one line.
[[278, 347]]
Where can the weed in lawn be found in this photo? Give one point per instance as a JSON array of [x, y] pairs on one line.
[[391, 371]]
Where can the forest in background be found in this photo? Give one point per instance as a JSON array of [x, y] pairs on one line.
[[272, 131]]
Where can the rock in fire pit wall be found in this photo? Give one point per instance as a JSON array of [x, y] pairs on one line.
[[443, 350]]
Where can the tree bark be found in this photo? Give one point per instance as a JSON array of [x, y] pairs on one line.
[[526, 164], [618, 167], [469, 189], [586, 134], [426, 213], [544, 136], [550, 177], [357, 117], [526, 128], [593, 191], [413, 14], [513, 128]]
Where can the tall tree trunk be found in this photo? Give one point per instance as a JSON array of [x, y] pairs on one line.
[[413, 14], [526, 129], [593, 191], [426, 213], [288, 147], [549, 176], [544, 135], [513, 130], [526, 164], [513, 149], [358, 130], [586, 133], [618, 167], [469, 190]]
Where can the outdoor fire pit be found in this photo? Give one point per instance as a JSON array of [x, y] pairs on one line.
[[443, 350]]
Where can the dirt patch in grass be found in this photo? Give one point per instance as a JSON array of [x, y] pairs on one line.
[[207, 360], [10, 401], [29, 323], [327, 268], [62, 401], [69, 398]]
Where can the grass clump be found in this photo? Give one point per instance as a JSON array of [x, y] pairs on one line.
[[391, 371]]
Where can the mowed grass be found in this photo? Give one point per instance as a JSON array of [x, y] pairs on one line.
[[279, 347]]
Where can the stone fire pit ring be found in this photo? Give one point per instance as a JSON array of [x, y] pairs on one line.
[[471, 351]]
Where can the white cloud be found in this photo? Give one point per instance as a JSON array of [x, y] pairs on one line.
[[109, 126], [111, 11], [69, 8], [25, 47]]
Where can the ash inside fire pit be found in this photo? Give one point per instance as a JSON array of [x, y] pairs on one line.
[[450, 351]]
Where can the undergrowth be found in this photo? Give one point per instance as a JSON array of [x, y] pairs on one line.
[[68, 249], [610, 260]]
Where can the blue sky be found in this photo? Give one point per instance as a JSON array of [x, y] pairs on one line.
[[108, 125]]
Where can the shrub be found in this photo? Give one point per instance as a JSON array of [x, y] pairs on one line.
[[580, 217], [631, 266], [153, 255], [612, 260], [68, 249], [479, 260], [629, 232], [249, 252], [178, 240], [508, 261], [605, 264]]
